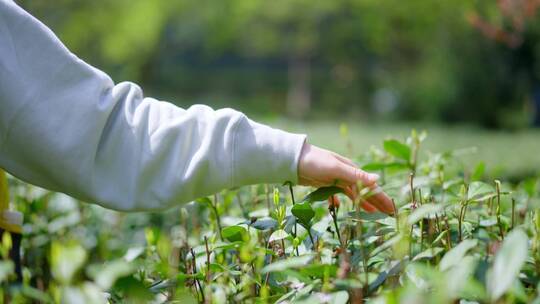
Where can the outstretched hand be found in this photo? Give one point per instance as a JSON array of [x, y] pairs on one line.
[[319, 168]]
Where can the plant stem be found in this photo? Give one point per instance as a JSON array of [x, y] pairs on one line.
[[295, 231], [310, 236], [267, 197], [448, 239], [207, 260], [499, 223], [334, 218], [195, 272], [513, 212], [241, 204], [218, 220], [396, 215]]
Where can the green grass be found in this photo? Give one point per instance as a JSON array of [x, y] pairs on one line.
[[505, 153]]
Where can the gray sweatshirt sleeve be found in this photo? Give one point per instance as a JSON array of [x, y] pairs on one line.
[[65, 126]]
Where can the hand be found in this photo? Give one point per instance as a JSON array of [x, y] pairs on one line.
[[319, 168]]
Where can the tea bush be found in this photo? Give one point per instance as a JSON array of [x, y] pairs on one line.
[[455, 236]]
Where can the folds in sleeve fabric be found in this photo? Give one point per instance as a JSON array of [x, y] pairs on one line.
[[65, 126]]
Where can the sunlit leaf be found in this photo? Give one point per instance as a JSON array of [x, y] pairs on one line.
[[66, 260], [293, 262], [7, 268], [397, 149], [106, 275], [425, 210], [234, 233], [456, 254], [428, 253], [479, 191], [278, 235], [507, 263]]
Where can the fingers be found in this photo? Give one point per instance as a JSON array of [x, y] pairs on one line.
[[380, 200], [368, 207]]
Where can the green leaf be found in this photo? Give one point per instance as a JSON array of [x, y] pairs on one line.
[[340, 297], [66, 259], [395, 267], [478, 171], [294, 262], [507, 264], [204, 201], [456, 254], [278, 235], [381, 166], [303, 212], [6, 269], [424, 211], [265, 223], [428, 253], [234, 233], [106, 275], [479, 191], [458, 277], [322, 194], [319, 270], [397, 149], [368, 216]]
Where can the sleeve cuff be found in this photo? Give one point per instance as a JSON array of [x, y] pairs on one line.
[[264, 155]]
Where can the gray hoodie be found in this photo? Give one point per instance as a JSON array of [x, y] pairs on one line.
[[65, 126]]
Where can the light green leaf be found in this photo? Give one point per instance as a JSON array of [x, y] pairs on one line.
[[459, 275], [478, 171], [428, 253], [278, 235], [397, 149], [456, 254], [424, 211], [479, 191], [6, 269], [294, 262], [106, 275], [66, 260], [507, 264], [340, 297]]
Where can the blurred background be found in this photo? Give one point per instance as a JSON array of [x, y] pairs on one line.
[[467, 71]]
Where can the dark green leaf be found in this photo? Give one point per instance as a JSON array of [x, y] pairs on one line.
[[322, 194], [303, 212]]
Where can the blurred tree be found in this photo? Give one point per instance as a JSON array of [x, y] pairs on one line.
[[360, 59], [516, 27]]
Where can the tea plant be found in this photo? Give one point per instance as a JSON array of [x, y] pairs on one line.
[[455, 235]]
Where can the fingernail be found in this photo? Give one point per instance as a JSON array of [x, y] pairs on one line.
[[373, 177]]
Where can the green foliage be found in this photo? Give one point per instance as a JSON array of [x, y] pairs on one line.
[[454, 239]]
